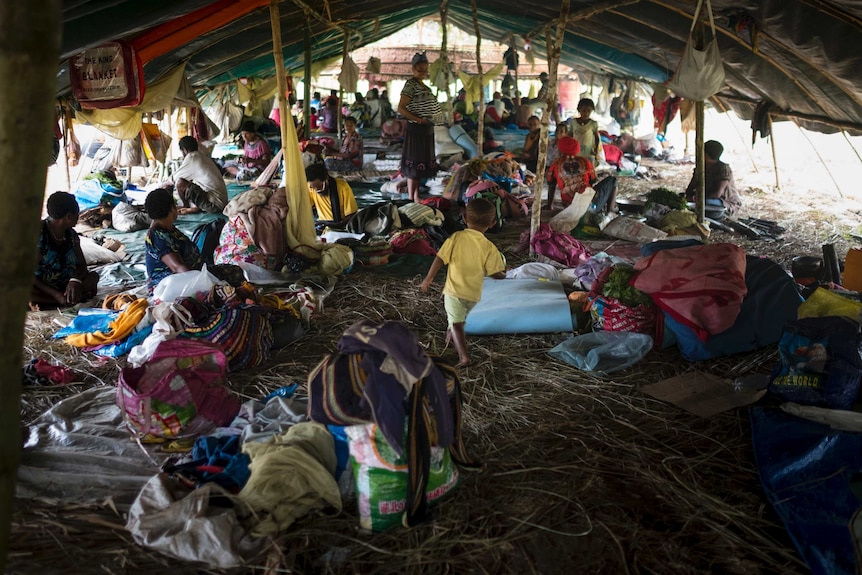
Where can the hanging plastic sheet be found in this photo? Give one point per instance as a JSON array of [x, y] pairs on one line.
[[349, 75]]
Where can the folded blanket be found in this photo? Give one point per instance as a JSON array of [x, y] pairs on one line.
[[699, 286]]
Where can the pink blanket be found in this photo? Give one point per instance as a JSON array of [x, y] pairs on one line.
[[699, 286]]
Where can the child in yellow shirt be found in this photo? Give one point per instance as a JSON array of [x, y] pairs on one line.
[[470, 257]]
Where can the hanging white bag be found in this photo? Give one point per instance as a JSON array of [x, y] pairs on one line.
[[700, 73]]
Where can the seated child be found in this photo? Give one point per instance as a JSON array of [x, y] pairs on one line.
[[470, 257]]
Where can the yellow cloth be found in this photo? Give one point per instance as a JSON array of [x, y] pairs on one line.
[[125, 123], [472, 86], [300, 219], [291, 475], [117, 329], [320, 201], [470, 257]]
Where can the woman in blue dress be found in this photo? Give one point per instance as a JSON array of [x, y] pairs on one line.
[[61, 277]]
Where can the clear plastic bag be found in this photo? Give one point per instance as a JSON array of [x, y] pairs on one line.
[[186, 284], [603, 351]]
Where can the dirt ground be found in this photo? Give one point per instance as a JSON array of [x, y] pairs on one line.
[[583, 474]]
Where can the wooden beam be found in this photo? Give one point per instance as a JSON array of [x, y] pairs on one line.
[[280, 77], [838, 124], [306, 81], [29, 52], [480, 112], [555, 44]]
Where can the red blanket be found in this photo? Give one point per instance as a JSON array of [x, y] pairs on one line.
[[699, 286]]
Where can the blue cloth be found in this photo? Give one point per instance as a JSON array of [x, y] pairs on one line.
[[97, 320], [161, 242], [806, 469], [125, 346], [223, 452]]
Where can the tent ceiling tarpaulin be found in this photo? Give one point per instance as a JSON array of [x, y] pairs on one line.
[[803, 56]]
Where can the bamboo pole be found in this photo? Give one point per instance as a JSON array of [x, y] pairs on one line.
[[700, 124], [29, 52], [280, 77], [819, 157], [699, 163], [774, 155], [852, 147], [306, 84], [345, 50], [444, 53], [67, 117], [480, 112], [554, 48]]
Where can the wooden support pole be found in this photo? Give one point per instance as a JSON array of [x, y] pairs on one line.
[[67, 118], [554, 47], [699, 163], [819, 157], [444, 54], [852, 147], [306, 82], [774, 155], [280, 76], [29, 52], [700, 125], [480, 111]]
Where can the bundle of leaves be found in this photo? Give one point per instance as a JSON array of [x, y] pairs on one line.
[[667, 198], [617, 286]]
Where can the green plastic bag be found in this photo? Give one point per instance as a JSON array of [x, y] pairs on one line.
[[381, 478]]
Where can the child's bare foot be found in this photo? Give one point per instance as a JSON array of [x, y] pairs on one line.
[[465, 361]]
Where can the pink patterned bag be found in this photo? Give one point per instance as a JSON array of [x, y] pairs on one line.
[[180, 392]]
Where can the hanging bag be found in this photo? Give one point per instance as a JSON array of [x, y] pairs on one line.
[[700, 73]]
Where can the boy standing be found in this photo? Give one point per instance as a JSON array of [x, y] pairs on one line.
[[470, 257]]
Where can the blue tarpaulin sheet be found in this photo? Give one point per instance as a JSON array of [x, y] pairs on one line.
[[806, 469]]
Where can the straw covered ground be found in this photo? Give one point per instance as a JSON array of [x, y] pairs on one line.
[[582, 474]]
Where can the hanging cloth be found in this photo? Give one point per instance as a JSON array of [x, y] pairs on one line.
[[700, 73], [472, 87], [349, 75]]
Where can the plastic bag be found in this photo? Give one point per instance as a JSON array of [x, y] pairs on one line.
[[180, 392], [568, 219], [186, 284], [823, 303], [128, 218], [700, 73], [603, 351], [821, 363], [381, 477]]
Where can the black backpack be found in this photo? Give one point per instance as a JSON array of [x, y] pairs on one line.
[[206, 238]]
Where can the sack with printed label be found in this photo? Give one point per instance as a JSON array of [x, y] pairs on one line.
[[821, 362], [381, 477]]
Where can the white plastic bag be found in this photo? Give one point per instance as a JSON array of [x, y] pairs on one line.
[[568, 219], [700, 73], [186, 284]]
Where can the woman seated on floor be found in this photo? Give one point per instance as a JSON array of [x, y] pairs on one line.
[[719, 185], [255, 230], [61, 272], [256, 155], [349, 157], [170, 251]]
